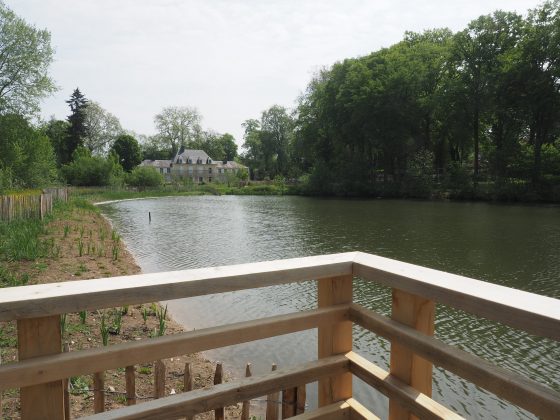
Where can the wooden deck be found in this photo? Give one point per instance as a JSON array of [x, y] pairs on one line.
[[43, 366]]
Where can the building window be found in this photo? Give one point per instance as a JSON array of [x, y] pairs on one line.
[[200, 179], [209, 179], [209, 170]]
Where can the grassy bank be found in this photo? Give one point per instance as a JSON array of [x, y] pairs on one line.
[[76, 242]]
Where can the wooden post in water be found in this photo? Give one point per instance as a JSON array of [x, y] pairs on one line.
[[150, 216], [335, 339], [99, 392], [218, 378], [66, 389], [418, 313], [272, 402], [40, 337], [130, 375], [159, 379], [187, 382], [246, 404]]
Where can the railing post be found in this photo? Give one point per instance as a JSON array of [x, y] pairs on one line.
[[335, 339], [418, 313], [41, 337]]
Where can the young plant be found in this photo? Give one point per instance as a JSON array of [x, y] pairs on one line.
[[80, 247], [115, 251], [162, 323], [104, 329], [117, 322], [83, 315], [66, 230], [144, 315], [63, 324]]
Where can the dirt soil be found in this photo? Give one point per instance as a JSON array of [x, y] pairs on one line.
[[89, 248]]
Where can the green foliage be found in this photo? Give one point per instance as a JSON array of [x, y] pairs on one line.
[[19, 240], [161, 314], [27, 158], [77, 129], [25, 57], [128, 151], [88, 170], [83, 316], [104, 329], [144, 176]]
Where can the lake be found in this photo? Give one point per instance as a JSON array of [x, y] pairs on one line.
[[515, 246]]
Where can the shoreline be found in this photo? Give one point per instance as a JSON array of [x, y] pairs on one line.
[[75, 224]]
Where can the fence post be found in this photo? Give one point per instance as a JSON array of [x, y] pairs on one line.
[[245, 407], [99, 392], [335, 339], [159, 379], [41, 337], [418, 313], [218, 379], [272, 402], [130, 376]]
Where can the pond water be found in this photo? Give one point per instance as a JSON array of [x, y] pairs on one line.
[[515, 246]]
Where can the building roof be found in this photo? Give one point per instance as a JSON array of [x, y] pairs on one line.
[[156, 163], [194, 155], [230, 164]]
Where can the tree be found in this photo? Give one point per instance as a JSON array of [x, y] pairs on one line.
[[178, 126], [88, 170], [128, 151], [57, 132], [25, 57], [144, 176], [77, 131], [102, 128], [229, 146], [27, 158], [154, 148]]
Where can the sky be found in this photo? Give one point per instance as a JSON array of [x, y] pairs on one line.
[[230, 59]]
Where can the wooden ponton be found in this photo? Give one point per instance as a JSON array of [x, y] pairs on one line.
[[43, 366]]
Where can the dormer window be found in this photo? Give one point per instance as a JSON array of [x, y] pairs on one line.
[[199, 161], [189, 160], [208, 160]]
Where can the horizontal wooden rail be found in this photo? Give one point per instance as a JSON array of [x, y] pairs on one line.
[[349, 409], [511, 386], [59, 298], [64, 365], [421, 405], [533, 313], [202, 400]]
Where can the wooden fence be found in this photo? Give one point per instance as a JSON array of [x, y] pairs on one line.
[[43, 367], [29, 205]]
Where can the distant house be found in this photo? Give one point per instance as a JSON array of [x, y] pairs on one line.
[[163, 166], [197, 166]]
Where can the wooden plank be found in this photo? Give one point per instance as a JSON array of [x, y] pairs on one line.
[[301, 396], [99, 392], [203, 400], [416, 402], [519, 390], [335, 338], [130, 376], [289, 402], [359, 412], [245, 408], [536, 314], [336, 411], [272, 402], [45, 369], [75, 296], [218, 379], [418, 313], [38, 337], [159, 379]]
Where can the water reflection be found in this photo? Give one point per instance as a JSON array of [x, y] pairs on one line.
[[510, 245]]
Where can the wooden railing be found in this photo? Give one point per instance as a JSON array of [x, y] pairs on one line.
[[42, 367]]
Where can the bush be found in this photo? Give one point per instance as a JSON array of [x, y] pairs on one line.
[[144, 176], [88, 170]]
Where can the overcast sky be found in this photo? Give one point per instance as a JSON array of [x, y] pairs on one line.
[[231, 59]]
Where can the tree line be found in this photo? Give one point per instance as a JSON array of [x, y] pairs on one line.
[[89, 147], [465, 112]]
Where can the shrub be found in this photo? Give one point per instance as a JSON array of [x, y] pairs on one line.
[[88, 170], [144, 176]]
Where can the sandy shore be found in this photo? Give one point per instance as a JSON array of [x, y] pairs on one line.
[[95, 258]]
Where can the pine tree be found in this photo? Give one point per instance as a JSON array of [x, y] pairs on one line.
[[77, 129]]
